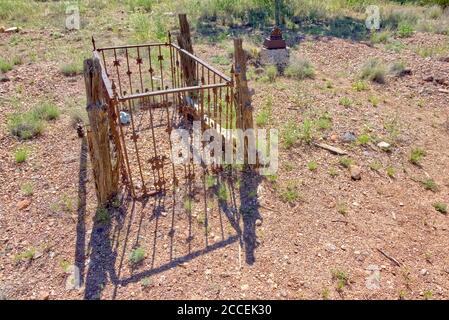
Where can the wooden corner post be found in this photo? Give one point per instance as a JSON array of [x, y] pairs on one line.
[[185, 42], [105, 175], [244, 109]]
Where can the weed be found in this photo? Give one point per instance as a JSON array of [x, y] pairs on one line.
[[440, 207], [222, 192], [373, 70], [360, 85], [290, 193], [427, 295], [390, 171], [27, 189], [146, 282], [299, 69], [46, 110], [333, 172], [416, 155], [188, 204], [264, 116], [290, 134], [373, 100], [405, 30], [363, 139], [20, 155], [375, 165], [325, 294], [220, 60], [324, 121], [272, 73], [342, 209], [102, 216], [397, 68], [381, 37], [25, 125], [71, 69], [211, 181], [430, 184], [306, 133], [5, 66], [345, 102], [312, 165], [345, 162], [341, 277], [136, 256], [26, 255]]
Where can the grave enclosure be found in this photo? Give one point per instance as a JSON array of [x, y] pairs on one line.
[[162, 87]]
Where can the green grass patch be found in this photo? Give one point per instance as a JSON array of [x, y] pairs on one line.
[[21, 155], [299, 69], [136, 256], [430, 184], [374, 70], [440, 207], [27, 189], [345, 102], [416, 155], [312, 165]]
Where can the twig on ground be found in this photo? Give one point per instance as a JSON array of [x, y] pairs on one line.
[[389, 257]]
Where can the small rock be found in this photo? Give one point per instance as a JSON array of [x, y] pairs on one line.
[[384, 145], [245, 287], [348, 137], [401, 204], [258, 222], [428, 78], [284, 294], [333, 138], [424, 272], [23, 204], [4, 78], [355, 172], [164, 213], [405, 72], [330, 247], [445, 59], [11, 30], [373, 280], [2, 29], [44, 295]]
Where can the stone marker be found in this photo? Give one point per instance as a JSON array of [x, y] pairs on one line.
[[275, 51]]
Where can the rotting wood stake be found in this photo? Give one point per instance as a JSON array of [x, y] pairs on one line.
[[105, 169]]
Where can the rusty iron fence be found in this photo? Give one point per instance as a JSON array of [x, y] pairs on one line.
[[150, 84]]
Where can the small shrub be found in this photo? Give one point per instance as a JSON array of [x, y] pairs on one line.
[[47, 111], [290, 134], [391, 171], [290, 193], [188, 204], [5, 66], [405, 30], [220, 60], [363, 139], [21, 155], [345, 102], [272, 73], [397, 68], [71, 69], [26, 255], [136, 5], [416, 155], [430, 184], [102, 216], [360, 85], [374, 70], [223, 192], [375, 165], [342, 209], [381, 37], [141, 26], [299, 69], [25, 125], [324, 121], [312, 165], [374, 101], [264, 116], [440, 207], [136, 256], [307, 131], [333, 172], [27, 189], [341, 277], [211, 181], [346, 162]]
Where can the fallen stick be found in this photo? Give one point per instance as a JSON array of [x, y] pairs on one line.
[[389, 257], [443, 90], [332, 149]]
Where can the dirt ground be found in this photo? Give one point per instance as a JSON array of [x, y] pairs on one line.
[[336, 234]]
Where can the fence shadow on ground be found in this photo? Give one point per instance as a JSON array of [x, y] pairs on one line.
[[111, 243]]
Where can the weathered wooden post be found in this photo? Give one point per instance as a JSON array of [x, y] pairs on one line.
[[185, 42], [105, 168], [244, 109]]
